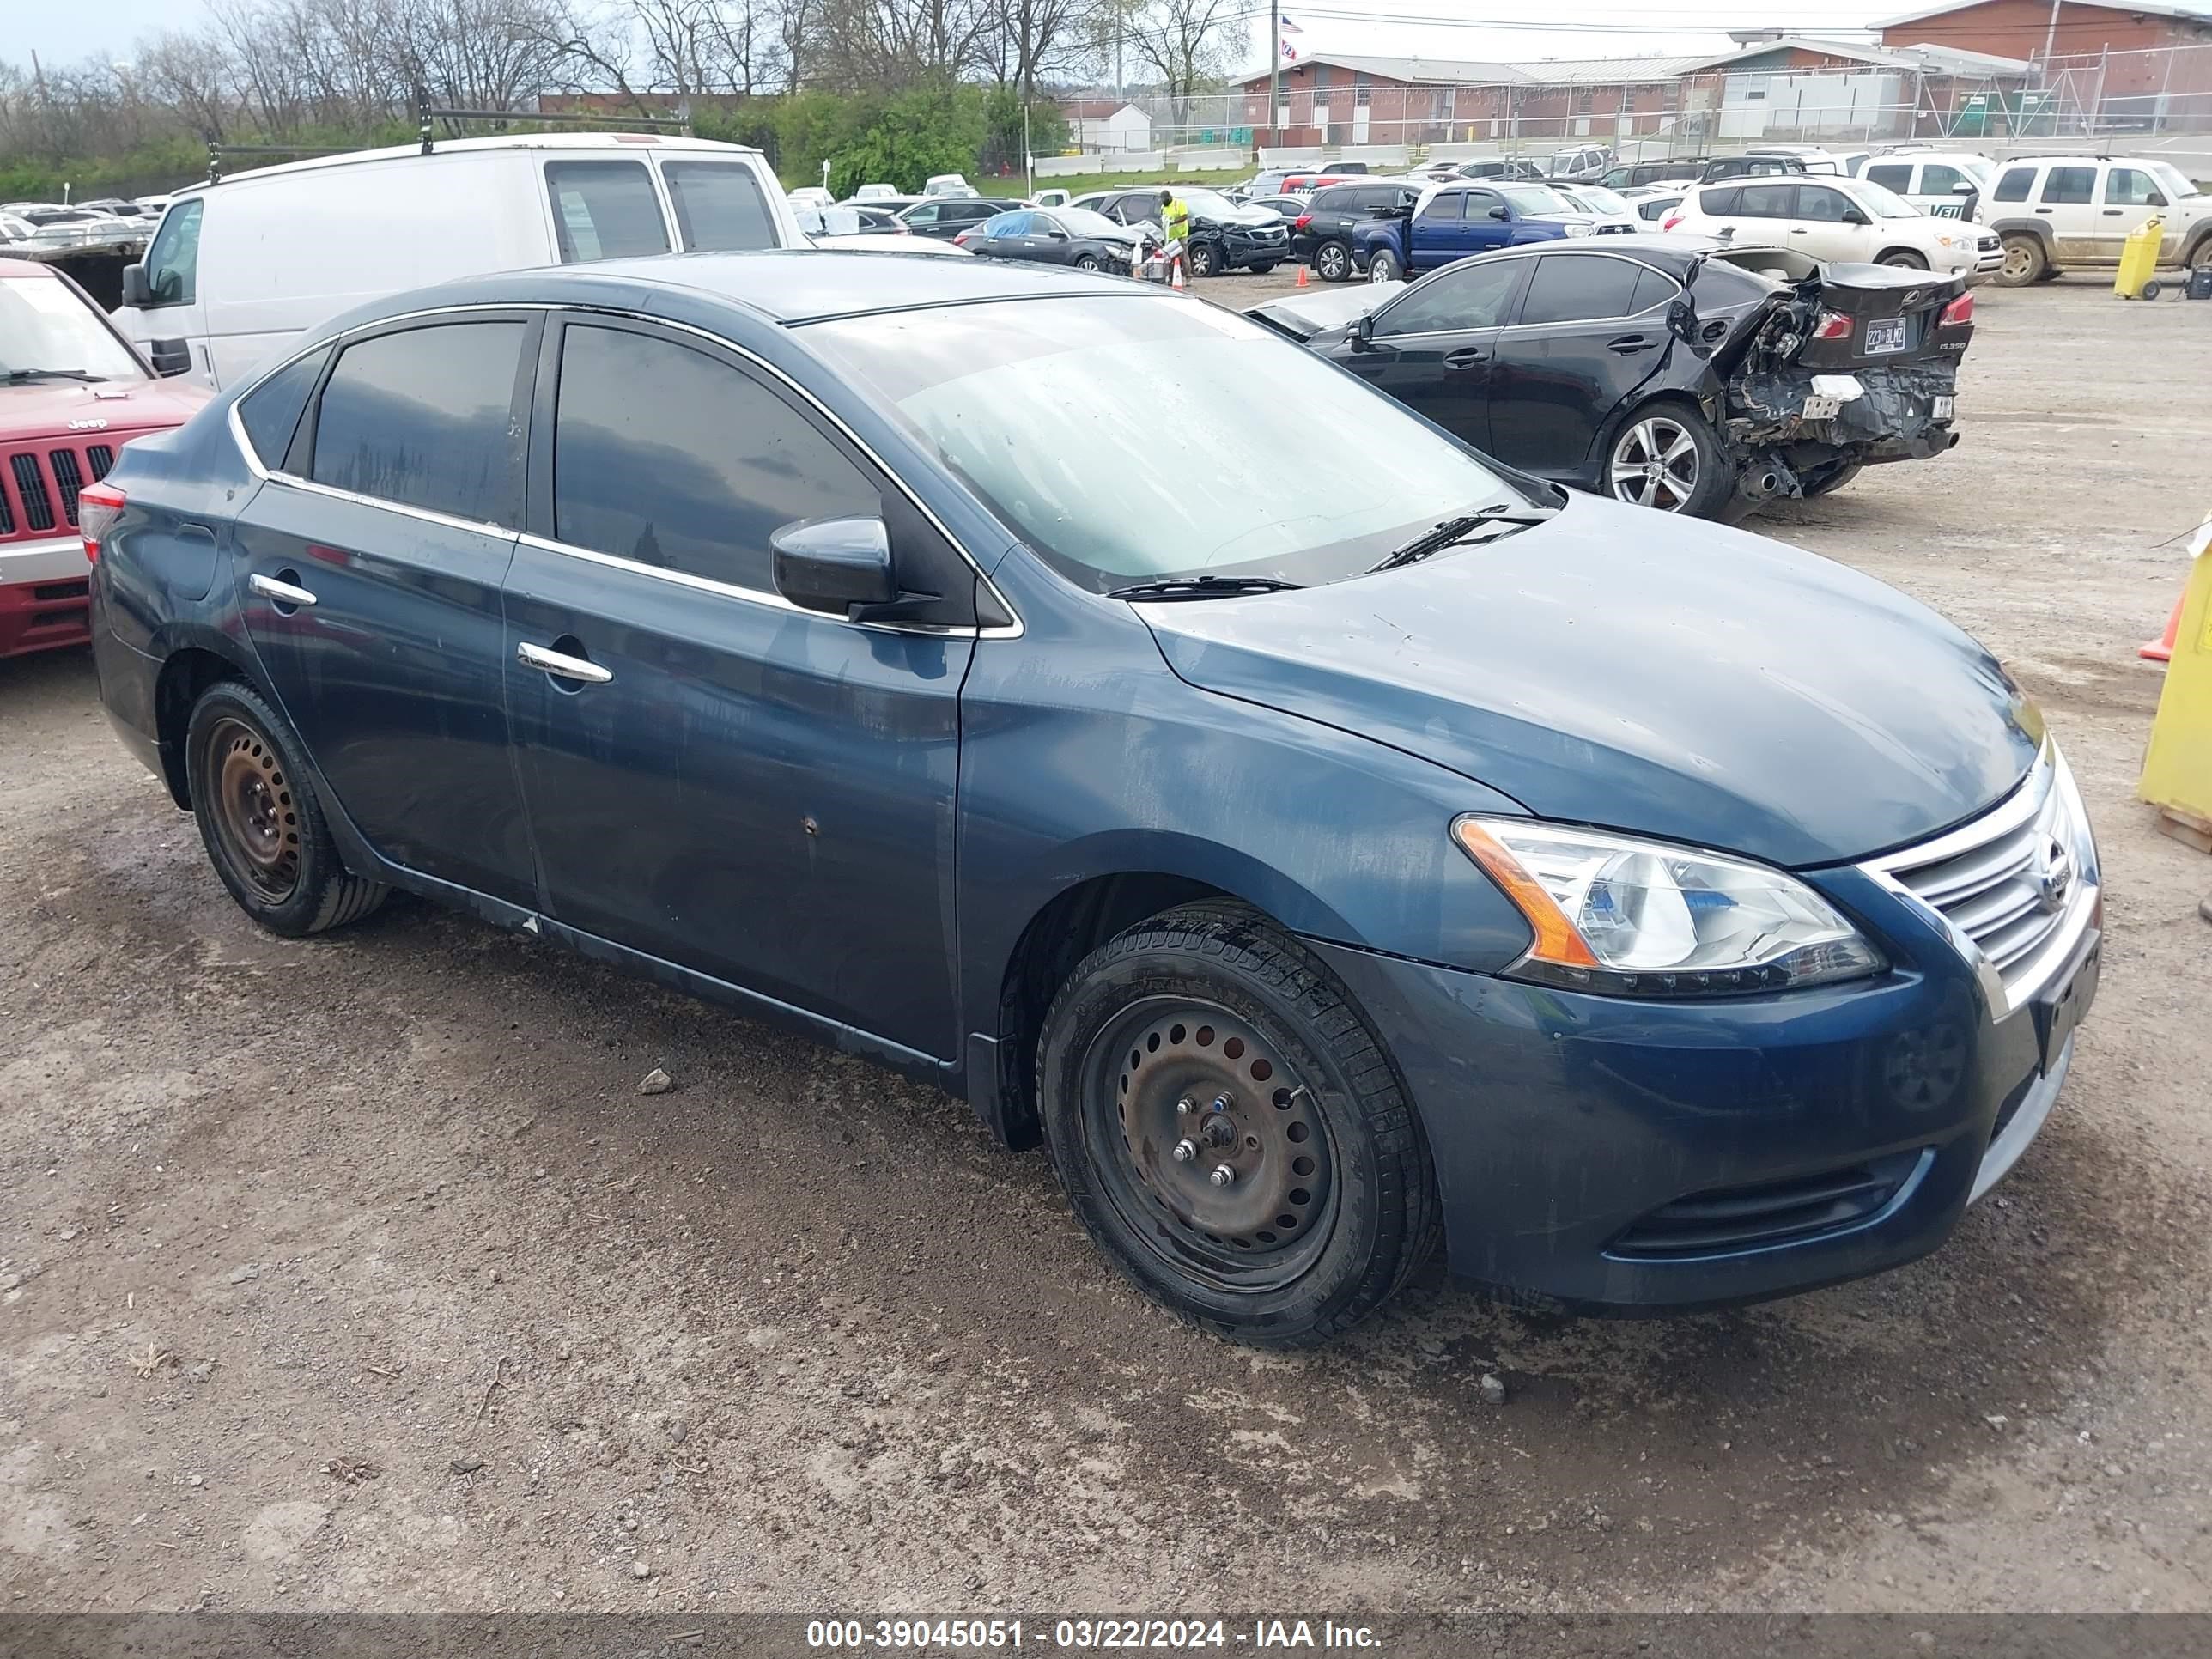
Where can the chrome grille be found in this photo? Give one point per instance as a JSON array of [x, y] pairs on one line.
[[2016, 887]]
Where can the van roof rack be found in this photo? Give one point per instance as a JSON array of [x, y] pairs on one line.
[[217, 150]]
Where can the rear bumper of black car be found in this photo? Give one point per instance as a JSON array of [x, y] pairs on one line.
[[1791, 417]]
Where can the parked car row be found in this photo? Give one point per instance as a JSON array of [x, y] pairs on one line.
[[1425, 852]]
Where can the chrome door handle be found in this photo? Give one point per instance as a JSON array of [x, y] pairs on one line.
[[567, 668], [282, 593]]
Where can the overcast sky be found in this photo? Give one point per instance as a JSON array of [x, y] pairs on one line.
[[57, 34]]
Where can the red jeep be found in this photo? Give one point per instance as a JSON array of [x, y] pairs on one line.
[[72, 393]]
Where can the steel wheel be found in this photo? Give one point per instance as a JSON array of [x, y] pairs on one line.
[[254, 813], [1215, 1154], [2024, 261], [1655, 464]]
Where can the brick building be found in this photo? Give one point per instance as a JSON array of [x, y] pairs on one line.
[[2019, 28]]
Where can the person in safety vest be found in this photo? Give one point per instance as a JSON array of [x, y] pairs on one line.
[[1175, 228]]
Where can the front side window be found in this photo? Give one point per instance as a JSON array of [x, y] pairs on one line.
[[2128, 187], [173, 262], [605, 211], [424, 418], [47, 331], [2070, 186], [1936, 180], [2015, 185], [1572, 288], [1471, 296], [719, 207], [672, 457], [1819, 202], [271, 412], [1075, 420]]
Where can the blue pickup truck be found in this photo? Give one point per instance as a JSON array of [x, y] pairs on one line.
[[1452, 220]]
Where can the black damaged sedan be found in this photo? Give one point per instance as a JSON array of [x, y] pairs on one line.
[[1672, 372]]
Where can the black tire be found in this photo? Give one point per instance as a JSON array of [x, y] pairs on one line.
[[1819, 481], [1697, 482], [259, 820], [1383, 267], [1086, 262], [1317, 1127], [2153, 288], [1332, 261], [2025, 260], [1904, 258], [1205, 260], [1262, 269]]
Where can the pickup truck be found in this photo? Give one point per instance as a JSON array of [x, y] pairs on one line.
[[1454, 220]]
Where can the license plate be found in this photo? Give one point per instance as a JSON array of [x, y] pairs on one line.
[[2055, 1017], [1943, 407], [1818, 408], [1885, 334]]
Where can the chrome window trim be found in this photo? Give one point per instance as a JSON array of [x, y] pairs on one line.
[[1537, 251], [997, 631]]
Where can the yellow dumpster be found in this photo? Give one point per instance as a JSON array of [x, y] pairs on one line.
[[2177, 775], [2139, 261]]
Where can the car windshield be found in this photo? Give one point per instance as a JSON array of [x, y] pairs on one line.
[[46, 327], [1207, 201], [1536, 198], [2172, 180], [1885, 204], [1128, 438], [1601, 199], [1082, 222]]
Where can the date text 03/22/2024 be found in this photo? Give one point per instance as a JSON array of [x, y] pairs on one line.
[[1258, 1636]]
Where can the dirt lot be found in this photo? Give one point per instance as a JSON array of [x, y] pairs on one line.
[[359, 1274]]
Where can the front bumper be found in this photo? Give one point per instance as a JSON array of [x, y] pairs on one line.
[[1617, 1156], [1242, 246], [44, 595]]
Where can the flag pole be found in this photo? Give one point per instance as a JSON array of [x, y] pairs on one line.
[[1275, 66]]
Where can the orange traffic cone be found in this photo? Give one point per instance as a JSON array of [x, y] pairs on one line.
[[1302, 277], [1177, 281], [2161, 649]]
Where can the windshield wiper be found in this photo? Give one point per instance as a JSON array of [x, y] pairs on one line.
[[12, 376], [1452, 531], [1201, 587]]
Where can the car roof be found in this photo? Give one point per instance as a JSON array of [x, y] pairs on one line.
[[560, 141], [787, 286], [24, 268]]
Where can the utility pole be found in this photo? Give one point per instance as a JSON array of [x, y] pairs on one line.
[[1029, 159], [2050, 35], [1275, 66]]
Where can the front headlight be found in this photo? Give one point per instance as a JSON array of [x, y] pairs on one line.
[[1643, 918], [1578, 230]]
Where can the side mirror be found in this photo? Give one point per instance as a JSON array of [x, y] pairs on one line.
[[136, 291], [1853, 216], [2157, 198], [1962, 189], [169, 357], [1497, 211], [1363, 330], [1056, 235], [834, 565]]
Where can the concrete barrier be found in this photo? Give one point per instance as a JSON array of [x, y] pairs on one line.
[[1068, 166]]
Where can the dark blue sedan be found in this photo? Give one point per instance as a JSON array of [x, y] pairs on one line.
[[908, 650]]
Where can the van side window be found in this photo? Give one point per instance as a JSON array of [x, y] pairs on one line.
[[719, 207], [2014, 186], [605, 211], [172, 263], [424, 418], [672, 457], [271, 412]]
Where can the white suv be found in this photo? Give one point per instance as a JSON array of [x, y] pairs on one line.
[[1947, 184], [1840, 219], [2054, 211]]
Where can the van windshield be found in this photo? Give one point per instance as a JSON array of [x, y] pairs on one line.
[[47, 332], [1123, 438]]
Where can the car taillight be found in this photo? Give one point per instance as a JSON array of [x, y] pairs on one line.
[[1833, 325], [98, 507], [1670, 221], [1302, 222], [1959, 310], [961, 240]]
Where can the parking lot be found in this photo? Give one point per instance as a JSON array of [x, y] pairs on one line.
[[358, 1274]]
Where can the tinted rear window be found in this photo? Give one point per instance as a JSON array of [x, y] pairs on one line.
[[1572, 288], [719, 207], [605, 211], [423, 417], [271, 412]]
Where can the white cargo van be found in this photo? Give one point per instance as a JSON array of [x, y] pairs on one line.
[[240, 268]]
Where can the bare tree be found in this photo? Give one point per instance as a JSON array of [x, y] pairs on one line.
[[1189, 44]]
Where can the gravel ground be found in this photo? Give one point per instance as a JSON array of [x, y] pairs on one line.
[[358, 1274]]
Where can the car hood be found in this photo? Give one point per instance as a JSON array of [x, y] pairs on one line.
[[1306, 313], [55, 408], [1623, 667], [1238, 216]]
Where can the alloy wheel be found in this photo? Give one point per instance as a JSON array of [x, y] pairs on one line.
[[1211, 1147], [1329, 264], [254, 812], [1655, 464]]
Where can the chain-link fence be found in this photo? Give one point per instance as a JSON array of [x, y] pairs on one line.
[[2105, 96]]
